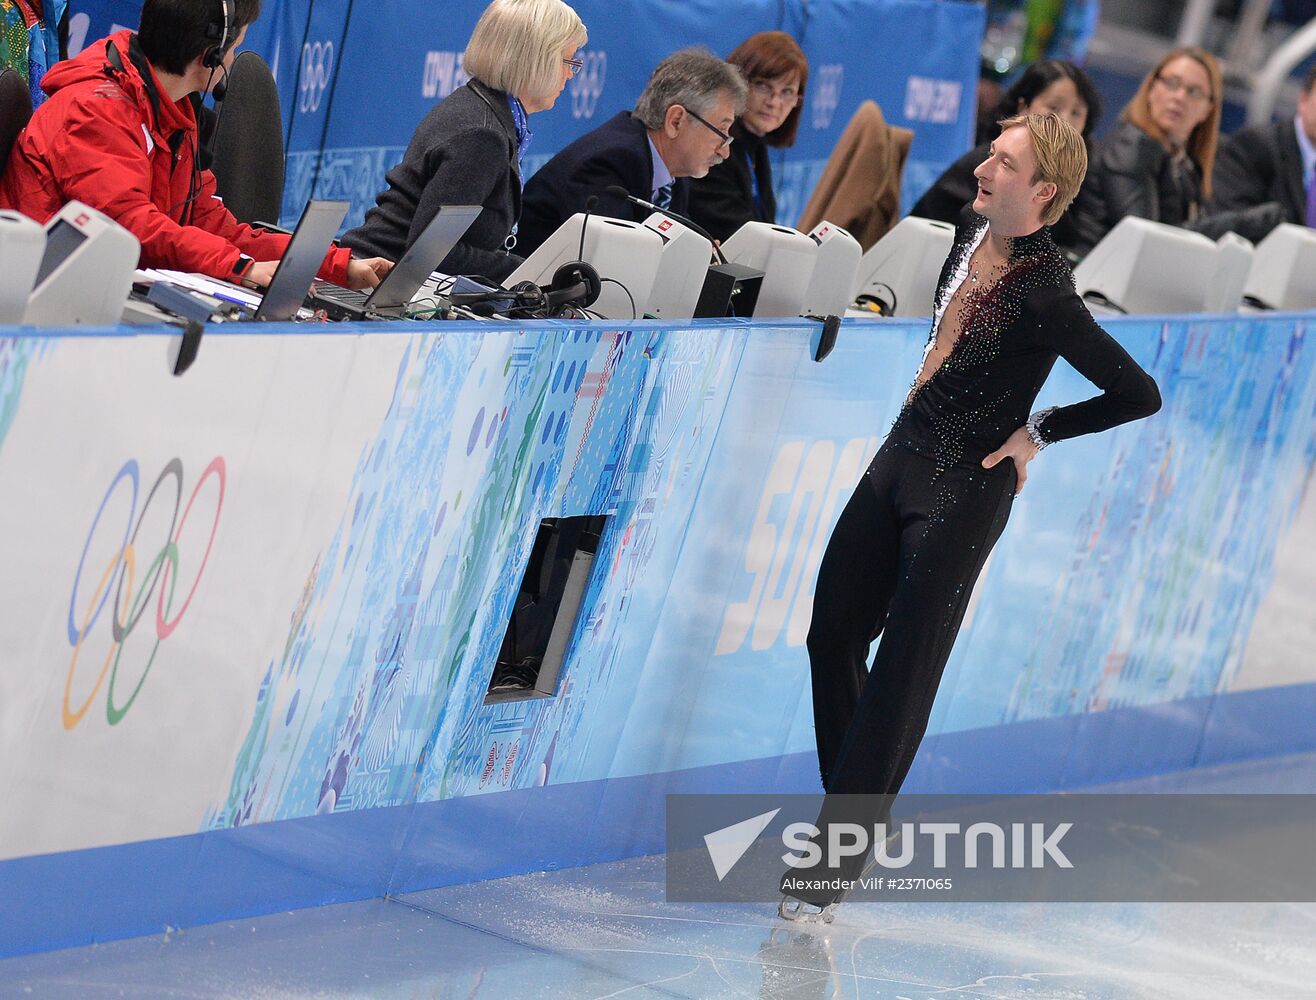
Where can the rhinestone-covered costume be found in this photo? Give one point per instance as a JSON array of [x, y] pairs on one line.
[[905, 554]]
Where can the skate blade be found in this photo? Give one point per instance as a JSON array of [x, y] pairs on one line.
[[797, 911]]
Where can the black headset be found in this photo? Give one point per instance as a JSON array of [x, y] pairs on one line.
[[218, 32], [576, 284]]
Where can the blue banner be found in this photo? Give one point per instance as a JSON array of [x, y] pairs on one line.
[[355, 82]]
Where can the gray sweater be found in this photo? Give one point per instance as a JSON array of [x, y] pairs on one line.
[[463, 153]]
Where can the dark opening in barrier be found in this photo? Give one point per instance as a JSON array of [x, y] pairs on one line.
[[547, 605]]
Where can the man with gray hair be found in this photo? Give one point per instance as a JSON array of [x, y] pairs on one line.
[[679, 129]]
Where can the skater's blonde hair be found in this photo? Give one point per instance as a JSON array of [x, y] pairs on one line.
[[1062, 158]]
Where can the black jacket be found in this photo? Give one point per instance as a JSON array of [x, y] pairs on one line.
[[1014, 331], [1262, 163], [723, 201], [954, 189], [617, 152], [463, 153], [957, 187], [1132, 174]]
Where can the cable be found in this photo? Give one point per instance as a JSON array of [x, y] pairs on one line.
[[194, 184], [635, 313], [413, 312], [329, 106]]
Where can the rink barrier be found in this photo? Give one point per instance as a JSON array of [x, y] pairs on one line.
[[355, 507]]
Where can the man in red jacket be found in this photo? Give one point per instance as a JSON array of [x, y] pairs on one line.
[[120, 134]]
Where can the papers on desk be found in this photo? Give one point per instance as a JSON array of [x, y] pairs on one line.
[[225, 291]]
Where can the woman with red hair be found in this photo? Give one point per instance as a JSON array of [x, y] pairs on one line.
[[739, 189]]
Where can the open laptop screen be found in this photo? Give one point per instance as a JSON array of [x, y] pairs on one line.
[[443, 233], [300, 262]]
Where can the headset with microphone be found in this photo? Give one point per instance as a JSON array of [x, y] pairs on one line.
[[576, 283], [218, 32]]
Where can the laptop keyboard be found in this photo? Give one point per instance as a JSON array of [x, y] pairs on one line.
[[343, 296]]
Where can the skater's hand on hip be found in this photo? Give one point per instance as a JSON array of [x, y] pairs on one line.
[[1019, 446]]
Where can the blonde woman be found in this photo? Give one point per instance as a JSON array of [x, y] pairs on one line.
[[468, 149], [1157, 164]]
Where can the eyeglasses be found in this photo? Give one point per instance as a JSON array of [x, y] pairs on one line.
[[726, 139], [765, 90], [576, 65], [1173, 84]]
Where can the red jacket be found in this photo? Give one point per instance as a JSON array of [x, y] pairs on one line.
[[97, 140]]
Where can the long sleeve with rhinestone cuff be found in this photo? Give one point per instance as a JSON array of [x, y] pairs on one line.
[[1128, 393], [1013, 331]]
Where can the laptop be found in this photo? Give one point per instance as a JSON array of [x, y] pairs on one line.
[[300, 262], [394, 293]]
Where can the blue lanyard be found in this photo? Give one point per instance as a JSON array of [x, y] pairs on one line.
[[754, 185], [519, 119]]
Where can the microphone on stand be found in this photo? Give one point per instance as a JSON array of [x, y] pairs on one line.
[[591, 203], [576, 282], [616, 190]]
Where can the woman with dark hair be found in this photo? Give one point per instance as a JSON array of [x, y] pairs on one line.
[[739, 189], [1048, 86]]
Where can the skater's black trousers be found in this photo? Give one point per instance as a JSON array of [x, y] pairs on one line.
[[901, 563]]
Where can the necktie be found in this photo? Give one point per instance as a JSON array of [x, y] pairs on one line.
[[1311, 199], [663, 199]]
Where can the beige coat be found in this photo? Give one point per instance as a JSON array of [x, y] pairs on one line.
[[860, 187]]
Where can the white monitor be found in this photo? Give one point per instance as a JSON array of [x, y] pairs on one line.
[[681, 270], [86, 271], [785, 256], [1283, 273], [901, 269], [625, 254], [1148, 267], [22, 242], [1233, 263], [831, 289]]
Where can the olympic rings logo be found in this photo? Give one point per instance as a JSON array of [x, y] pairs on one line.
[[826, 94], [317, 70], [127, 608], [587, 85]]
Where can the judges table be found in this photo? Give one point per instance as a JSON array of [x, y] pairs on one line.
[[250, 612]]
